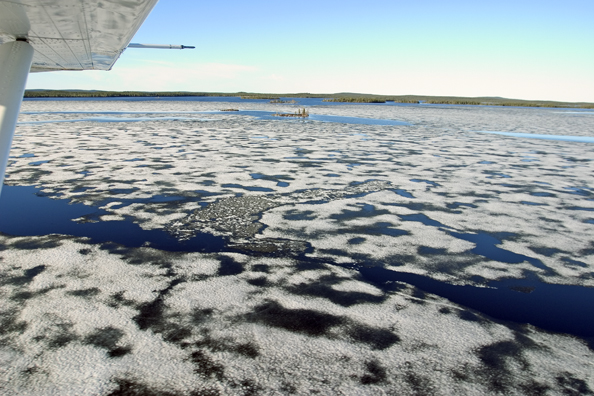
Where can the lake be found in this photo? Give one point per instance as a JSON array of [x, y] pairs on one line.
[[369, 248]]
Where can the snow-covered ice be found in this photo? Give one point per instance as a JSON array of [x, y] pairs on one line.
[[307, 211]]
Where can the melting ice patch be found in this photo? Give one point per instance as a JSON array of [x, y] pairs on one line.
[[565, 138], [350, 279]]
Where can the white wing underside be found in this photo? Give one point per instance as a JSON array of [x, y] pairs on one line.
[[73, 34]]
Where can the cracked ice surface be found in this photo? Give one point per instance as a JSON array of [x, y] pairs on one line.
[[302, 206]]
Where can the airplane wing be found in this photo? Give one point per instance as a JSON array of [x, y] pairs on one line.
[[48, 35], [73, 34]]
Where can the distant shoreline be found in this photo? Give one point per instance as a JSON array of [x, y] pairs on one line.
[[337, 97]]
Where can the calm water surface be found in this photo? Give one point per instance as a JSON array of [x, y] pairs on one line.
[[26, 211]]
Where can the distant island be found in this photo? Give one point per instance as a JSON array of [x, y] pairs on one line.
[[345, 97]]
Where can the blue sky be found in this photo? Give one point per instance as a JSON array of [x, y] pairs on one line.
[[515, 49]]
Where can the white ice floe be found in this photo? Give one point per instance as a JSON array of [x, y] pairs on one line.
[[283, 308]]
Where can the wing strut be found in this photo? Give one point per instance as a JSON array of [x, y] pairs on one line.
[[15, 63], [160, 46]]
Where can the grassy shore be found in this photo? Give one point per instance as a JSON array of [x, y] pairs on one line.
[[355, 100], [279, 101], [302, 113], [337, 97]]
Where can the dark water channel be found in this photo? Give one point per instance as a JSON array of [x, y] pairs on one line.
[[25, 211], [558, 308]]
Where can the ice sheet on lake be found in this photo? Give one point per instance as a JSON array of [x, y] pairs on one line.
[[282, 310]]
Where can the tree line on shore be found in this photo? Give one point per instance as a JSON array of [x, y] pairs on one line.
[[338, 97]]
